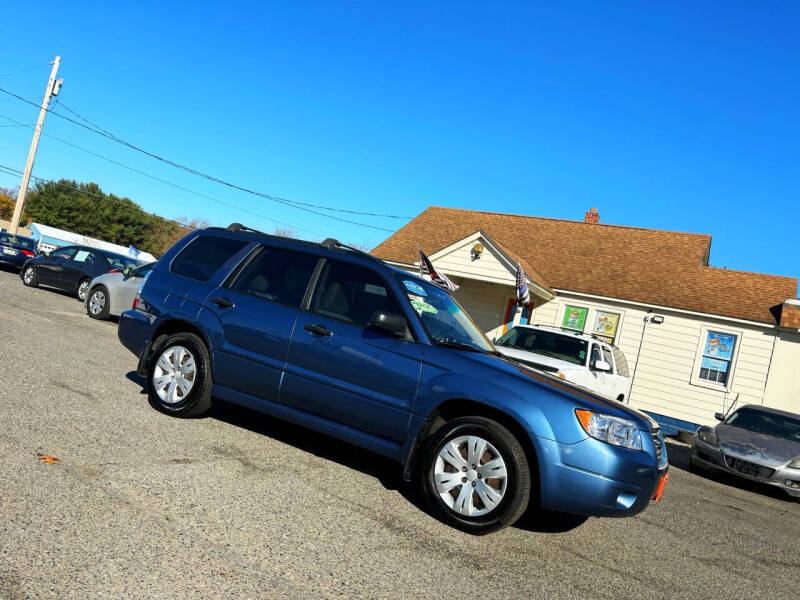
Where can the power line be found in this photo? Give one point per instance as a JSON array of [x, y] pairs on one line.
[[298, 205], [166, 182], [25, 70]]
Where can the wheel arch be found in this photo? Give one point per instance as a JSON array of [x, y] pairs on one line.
[[167, 328], [458, 407]]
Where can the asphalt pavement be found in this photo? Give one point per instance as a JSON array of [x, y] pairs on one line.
[[239, 505]]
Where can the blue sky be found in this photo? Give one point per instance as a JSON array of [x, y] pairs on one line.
[[680, 117]]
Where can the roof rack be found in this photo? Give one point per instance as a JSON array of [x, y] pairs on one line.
[[238, 227]]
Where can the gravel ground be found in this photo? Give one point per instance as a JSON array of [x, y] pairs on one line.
[[240, 505]]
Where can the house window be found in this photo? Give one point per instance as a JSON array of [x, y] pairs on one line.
[[715, 363], [574, 318]]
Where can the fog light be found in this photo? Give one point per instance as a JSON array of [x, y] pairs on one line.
[[792, 483]]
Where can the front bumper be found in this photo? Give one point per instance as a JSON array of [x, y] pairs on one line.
[[707, 456], [597, 479]]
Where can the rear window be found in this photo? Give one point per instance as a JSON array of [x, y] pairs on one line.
[[16, 240], [205, 255], [120, 263]]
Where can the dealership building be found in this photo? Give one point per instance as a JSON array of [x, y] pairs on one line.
[[698, 339]]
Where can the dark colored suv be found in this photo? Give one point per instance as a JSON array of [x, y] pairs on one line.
[[72, 268], [338, 341]]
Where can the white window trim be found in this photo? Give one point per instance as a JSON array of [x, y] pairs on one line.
[[698, 359], [562, 308]]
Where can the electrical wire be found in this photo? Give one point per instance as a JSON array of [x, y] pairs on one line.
[[25, 70], [169, 183], [300, 206]]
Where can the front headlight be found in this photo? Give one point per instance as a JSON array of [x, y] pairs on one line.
[[612, 430], [795, 464], [707, 436]]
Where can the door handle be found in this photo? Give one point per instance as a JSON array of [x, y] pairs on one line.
[[318, 330], [222, 302]]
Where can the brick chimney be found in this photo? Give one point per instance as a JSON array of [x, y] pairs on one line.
[[591, 216]]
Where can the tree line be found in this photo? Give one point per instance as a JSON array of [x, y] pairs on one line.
[[85, 209]]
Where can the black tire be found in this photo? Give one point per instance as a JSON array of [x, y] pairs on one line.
[[85, 281], [517, 494], [33, 281], [104, 312], [197, 401]]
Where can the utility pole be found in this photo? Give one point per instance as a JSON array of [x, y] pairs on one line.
[[53, 86]]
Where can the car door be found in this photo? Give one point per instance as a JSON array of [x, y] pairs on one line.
[[84, 263], [603, 381], [342, 370], [51, 266], [257, 310]]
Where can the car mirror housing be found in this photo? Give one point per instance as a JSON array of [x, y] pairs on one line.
[[126, 272], [390, 323], [602, 365], [719, 416]]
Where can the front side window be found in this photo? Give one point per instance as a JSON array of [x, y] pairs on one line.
[[66, 253], [352, 293], [715, 365], [205, 255], [143, 270], [607, 356], [276, 275]]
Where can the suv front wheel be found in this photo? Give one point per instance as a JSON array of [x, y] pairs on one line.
[[179, 376], [475, 475]]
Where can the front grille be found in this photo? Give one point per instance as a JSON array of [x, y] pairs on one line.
[[748, 468], [658, 444]]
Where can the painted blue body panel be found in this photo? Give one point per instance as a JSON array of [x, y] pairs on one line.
[[378, 392]]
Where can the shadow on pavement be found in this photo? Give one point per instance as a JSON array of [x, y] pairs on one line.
[[388, 472], [679, 459]]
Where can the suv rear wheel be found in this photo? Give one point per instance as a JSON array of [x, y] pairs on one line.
[[475, 475], [179, 376]]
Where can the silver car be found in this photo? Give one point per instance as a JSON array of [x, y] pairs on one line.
[[754, 442], [112, 293]]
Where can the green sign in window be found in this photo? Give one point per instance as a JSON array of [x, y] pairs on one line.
[[574, 318]]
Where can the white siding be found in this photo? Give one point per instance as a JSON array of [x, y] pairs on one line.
[[486, 304], [490, 267], [783, 384], [665, 381]]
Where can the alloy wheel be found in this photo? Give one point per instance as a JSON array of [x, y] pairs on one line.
[[97, 302], [82, 289], [470, 476], [174, 374], [28, 276]]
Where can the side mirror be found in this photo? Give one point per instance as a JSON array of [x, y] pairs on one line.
[[719, 416], [389, 323], [602, 365], [126, 272]]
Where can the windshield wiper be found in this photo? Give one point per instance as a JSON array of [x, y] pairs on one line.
[[459, 345]]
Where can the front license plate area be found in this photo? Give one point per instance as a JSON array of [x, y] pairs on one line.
[[745, 467]]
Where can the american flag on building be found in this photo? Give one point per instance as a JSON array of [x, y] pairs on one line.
[[523, 293], [440, 279]]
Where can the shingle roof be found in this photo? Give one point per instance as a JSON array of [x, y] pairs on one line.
[[656, 267]]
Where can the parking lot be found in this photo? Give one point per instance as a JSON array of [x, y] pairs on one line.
[[240, 505]]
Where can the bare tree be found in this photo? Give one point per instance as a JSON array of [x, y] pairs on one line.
[[284, 231]]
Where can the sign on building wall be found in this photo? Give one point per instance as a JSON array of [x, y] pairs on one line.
[[574, 318], [605, 325]]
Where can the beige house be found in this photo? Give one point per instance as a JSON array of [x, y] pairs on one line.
[[697, 338]]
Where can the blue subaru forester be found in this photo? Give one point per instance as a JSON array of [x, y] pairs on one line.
[[336, 340]]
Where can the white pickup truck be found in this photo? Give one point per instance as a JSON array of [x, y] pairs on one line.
[[575, 357]]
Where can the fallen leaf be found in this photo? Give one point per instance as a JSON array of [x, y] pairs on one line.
[[48, 458]]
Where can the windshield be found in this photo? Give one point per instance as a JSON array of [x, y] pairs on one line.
[[766, 423], [17, 240], [547, 343], [120, 263], [443, 319]]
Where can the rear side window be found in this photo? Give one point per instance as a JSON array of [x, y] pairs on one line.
[[205, 255], [276, 275], [351, 293]]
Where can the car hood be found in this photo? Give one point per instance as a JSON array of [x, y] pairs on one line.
[[505, 367], [757, 447]]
